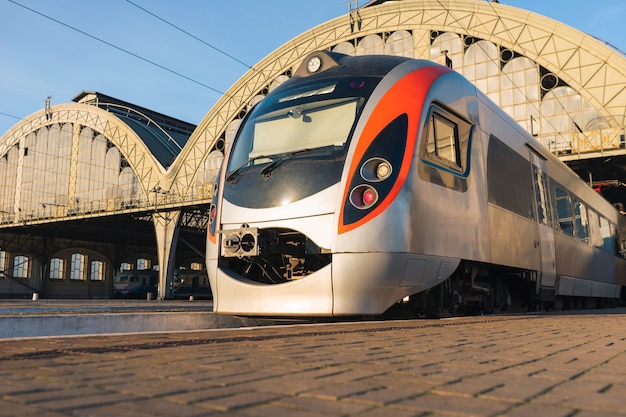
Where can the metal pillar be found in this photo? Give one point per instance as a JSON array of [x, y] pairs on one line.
[[166, 226]]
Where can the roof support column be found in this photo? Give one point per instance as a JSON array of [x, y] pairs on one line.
[[167, 229]]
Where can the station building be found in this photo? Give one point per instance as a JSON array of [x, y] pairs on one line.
[[99, 185]]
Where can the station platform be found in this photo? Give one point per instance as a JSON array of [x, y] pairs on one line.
[[549, 364], [51, 317]]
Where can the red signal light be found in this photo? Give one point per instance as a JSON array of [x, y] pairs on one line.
[[369, 197]]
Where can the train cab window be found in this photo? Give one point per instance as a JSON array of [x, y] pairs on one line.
[[582, 223], [442, 141], [446, 140], [564, 211]]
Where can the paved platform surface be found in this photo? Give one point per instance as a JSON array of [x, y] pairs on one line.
[[521, 365]]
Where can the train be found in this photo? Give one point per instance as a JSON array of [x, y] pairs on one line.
[[139, 283], [369, 184]]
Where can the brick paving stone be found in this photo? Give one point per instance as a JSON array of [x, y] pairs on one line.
[[49, 395], [109, 411], [386, 412], [276, 411], [8, 409], [149, 389], [285, 385], [382, 396], [329, 408], [462, 406], [341, 391], [67, 404], [159, 408], [534, 410], [597, 414], [205, 395], [238, 401]]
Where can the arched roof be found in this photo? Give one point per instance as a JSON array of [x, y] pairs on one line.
[[596, 71], [148, 171]]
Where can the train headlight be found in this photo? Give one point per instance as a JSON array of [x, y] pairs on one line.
[[376, 169], [363, 196], [383, 170], [314, 64]]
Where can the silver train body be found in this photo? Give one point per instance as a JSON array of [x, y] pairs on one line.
[[366, 182]]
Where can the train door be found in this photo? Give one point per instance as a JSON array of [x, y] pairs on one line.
[[544, 218]]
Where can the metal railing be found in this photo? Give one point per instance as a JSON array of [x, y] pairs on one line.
[[151, 202], [575, 144]]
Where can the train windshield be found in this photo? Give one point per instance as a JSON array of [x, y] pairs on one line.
[[306, 126], [315, 116]]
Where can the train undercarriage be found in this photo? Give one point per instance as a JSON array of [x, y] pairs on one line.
[[477, 289]]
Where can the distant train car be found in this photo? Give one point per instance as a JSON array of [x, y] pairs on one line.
[[371, 182], [191, 283], [138, 283], [135, 284]]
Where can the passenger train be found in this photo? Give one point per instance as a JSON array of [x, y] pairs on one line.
[[376, 183]]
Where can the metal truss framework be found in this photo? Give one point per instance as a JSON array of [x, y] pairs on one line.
[[594, 70]]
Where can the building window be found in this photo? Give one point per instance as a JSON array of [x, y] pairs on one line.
[[143, 264], [77, 271], [57, 268], [196, 266], [96, 272], [125, 266], [21, 266], [3, 263]]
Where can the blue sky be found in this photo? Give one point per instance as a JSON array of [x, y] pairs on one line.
[[41, 58]]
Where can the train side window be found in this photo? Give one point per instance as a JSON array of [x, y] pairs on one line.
[[609, 236], [595, 234], [509, 179], [580, 217], [564, 211]]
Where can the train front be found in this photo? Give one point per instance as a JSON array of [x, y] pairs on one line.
[[291, 230]]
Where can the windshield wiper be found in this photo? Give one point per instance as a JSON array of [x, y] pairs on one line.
[[232, 177], [267, 171]]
